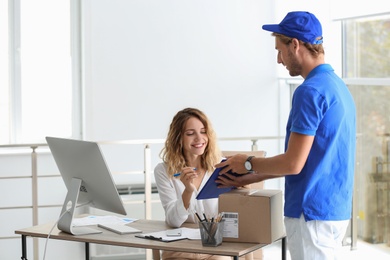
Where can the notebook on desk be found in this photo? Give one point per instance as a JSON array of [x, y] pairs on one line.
[[120, 228]]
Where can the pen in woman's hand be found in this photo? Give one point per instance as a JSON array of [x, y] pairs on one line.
[[178, 174]]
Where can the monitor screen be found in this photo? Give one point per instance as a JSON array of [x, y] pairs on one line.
[[87, 178]]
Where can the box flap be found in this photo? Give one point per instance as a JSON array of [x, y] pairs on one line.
[[235, 192], [264, 193], [251, 192]]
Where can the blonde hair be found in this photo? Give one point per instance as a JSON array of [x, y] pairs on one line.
[[173, 155]]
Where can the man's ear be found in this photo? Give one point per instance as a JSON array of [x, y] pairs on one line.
[[295, 43]]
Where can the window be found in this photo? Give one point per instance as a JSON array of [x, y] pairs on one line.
[[367, 44], [366, 69], [38, 98], [4, 90]]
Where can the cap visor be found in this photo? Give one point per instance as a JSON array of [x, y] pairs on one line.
[[271, 28]]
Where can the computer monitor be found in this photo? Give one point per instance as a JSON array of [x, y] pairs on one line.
[[87, 178]]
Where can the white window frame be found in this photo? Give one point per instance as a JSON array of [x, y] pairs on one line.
[[14, 64]]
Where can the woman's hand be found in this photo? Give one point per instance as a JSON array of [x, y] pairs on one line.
[[187, 176]]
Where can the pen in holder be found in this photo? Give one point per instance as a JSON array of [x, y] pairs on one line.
[[211, 233]]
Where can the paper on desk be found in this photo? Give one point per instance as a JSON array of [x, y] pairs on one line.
[[190, 233], [94, 220]]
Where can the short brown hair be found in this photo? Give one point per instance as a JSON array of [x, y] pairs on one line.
[[314, 49]]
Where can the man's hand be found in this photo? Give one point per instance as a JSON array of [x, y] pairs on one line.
[[228, 180], [234, 164]]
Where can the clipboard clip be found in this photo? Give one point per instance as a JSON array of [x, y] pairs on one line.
[[153, 238]]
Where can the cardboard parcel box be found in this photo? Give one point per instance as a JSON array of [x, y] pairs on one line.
[[253, 216]]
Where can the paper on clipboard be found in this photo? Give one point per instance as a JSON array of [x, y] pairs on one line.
[[187, 233], [210, 190]]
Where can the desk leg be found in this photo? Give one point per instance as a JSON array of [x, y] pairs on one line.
[[24, 248], [235, 257], [86, 251], [284, 248]]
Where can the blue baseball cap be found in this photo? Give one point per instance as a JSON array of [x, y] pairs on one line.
[[301, 25]]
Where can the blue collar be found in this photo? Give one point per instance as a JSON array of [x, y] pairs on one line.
[[320, 68]]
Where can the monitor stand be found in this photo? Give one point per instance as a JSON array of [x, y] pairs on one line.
[[68, 210]]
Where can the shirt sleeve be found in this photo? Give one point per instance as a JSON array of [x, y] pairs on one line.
[[308, 109], [170, 196]]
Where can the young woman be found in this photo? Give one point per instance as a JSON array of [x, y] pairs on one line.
[[189, 156]]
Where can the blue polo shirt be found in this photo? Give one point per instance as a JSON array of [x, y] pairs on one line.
[[323, 107]]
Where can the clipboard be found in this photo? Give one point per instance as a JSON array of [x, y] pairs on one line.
[[160, 236], [210, 190], [163, 236]]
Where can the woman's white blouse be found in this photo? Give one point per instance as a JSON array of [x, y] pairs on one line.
[[170, 191]]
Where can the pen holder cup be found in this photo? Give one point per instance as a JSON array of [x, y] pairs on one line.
[[211, 233]]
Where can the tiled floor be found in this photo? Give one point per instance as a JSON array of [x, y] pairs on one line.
[[363, 250]]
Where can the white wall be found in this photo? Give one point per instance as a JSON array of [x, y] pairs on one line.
[[351, 8], [147, 59]]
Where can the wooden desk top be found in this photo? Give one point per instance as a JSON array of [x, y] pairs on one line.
[[129, 240]]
